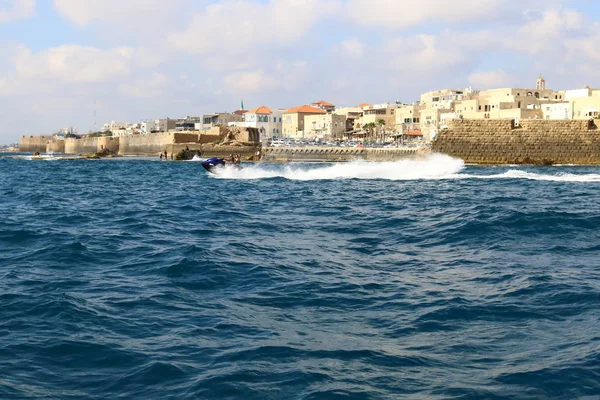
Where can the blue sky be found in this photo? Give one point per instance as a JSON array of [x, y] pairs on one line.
[[140, 59]]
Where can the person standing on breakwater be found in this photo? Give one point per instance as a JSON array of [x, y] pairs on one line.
[[166, 155], [161, 156]]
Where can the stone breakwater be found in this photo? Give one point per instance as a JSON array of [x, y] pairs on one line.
[[341, 154], [542, 142]]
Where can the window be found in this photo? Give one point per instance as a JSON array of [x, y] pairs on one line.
[[274, 119]]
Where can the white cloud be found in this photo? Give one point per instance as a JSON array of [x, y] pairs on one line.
[[422, 54], [140, 14], [546, 32], [293, 75], [235, 27], [248, 82], [395, 14], [16, 9], [490, 79], [151, 86], [73, 64], [353, 48]]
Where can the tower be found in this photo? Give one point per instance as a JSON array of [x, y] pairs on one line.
[[541, 83]]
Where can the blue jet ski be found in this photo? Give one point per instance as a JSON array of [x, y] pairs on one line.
[[214, 164]]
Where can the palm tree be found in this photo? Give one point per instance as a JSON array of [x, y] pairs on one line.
[[381, 123], [370, 127]]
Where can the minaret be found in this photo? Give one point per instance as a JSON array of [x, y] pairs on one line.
[[541, 83], [242, 105]]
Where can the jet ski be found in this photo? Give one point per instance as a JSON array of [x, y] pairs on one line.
[[213, 165]]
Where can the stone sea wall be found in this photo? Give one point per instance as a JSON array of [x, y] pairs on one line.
[[88, 145], [341, 154], [32, 144], [530, 142], [231, 139], [147, 144]]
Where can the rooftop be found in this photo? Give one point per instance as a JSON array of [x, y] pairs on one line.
[[260, 110], [323, 103], [305, 109]]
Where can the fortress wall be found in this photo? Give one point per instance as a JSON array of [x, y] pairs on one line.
[[32, 144], [55, 146], [90, 145], [186, 137], [147, 144], [532, 142]]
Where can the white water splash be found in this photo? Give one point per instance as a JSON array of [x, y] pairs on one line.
[[435, 166], [518, 174]]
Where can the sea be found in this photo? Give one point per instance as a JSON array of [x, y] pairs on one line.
[[135, 278]]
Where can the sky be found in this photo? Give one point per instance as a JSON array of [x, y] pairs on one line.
[[81, 62]]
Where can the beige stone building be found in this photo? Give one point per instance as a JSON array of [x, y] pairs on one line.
[[352, 115], [446, 98], [209, 121], [324, 105], [373, 113], [293, 120], [514, 103], [324, 126]]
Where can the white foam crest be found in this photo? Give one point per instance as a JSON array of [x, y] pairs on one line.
[[196, 158], [519, 174], [435, 166]]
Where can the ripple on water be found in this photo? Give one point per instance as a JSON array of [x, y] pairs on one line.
[[140, 279]]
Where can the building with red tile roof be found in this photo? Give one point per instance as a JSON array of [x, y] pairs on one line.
[[305, 109], [322, 104], [293, 120], [268, 122], [261, 110]]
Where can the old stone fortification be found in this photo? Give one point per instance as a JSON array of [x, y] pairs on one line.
[[530, 142], [341, 154], [218, 141], [32, 144], [89, 145]]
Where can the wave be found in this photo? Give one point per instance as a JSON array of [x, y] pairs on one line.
[[520, 174], [436, 166], [433, 167]]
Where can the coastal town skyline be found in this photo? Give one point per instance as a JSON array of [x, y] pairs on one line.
[[80, 63]]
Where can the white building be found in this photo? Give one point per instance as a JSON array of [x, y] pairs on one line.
[[445, 118], [147, 127], [114, 125], [577, 93], [557, 110], [267, 121]]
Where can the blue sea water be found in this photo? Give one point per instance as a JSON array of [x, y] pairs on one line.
[[134, 278]]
